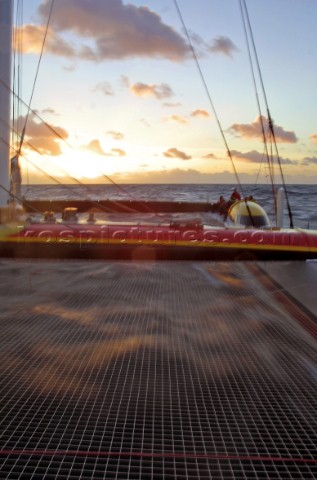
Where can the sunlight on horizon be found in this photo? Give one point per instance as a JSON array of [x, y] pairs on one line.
[[86, 164]]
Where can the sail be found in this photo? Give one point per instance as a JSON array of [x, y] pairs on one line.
[[16, 177]]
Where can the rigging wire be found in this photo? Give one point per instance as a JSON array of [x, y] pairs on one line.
[[259, 170], [65, 187], [202, 78], [17, 51], [245, 15], [74, 179], [36, 210], [36, 77], [264, 134], [17, 42], [29, 110]]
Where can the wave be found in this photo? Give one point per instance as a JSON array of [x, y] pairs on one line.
[[302, 198]]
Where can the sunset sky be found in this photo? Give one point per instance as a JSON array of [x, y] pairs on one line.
[[119, 83]]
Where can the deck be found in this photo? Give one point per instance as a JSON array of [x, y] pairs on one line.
[[154, 370]]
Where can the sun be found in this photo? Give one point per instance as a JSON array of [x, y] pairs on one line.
[[78, 164]]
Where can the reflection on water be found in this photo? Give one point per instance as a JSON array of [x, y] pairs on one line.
[[151, 357]]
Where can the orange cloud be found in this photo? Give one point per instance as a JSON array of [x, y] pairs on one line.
[[254, 130], [257, 157], [118, 30], [313, 139], [115, 135], [145, 90], [33, 36], [95, 147], [177, 119], [179, 175], [175, 153], [200, 113], [43, 137], [209, 156], [117, 152]]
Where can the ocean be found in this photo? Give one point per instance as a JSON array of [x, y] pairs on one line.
[[302, 198]]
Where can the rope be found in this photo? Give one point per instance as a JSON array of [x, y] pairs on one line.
[[264, 136], [35, 79], [29, 109], [245, 16], [119, 187], [208, 93], [18, 42], [55, 180], [202, 78]]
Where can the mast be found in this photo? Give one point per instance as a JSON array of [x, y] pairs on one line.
[[6, 21]]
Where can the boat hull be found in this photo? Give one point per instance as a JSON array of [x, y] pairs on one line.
[[156, 242], [120, 206]]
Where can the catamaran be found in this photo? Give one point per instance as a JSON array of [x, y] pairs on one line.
[[163, 370], [247, 233]]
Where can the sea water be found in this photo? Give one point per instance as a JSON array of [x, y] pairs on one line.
[[302, 198]]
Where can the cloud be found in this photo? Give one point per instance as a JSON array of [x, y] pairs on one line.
[[104, 87], [117, 152], [250, 157], [175, 153], [256, 157], [223, 45], [177, 119], [49, 110], [95, 147], [254, 130], [209, 156], [200, 113], [43, 137], [115, 135], [115, 29], [145, 90], [33, 36], [313, 138], [171, 105], [309, 161], [182, 176]]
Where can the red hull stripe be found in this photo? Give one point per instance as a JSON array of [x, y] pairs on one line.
[[189, 455]]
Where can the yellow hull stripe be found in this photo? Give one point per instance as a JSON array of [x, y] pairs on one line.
[[167, 243]]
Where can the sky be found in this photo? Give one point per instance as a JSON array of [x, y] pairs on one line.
[[119, 84]]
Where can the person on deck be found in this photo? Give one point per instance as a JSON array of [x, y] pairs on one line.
[[221, 201], [235, 195], [221, 204], [250, 198]]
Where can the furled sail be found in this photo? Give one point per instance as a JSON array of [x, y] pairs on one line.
[[16, 177]]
